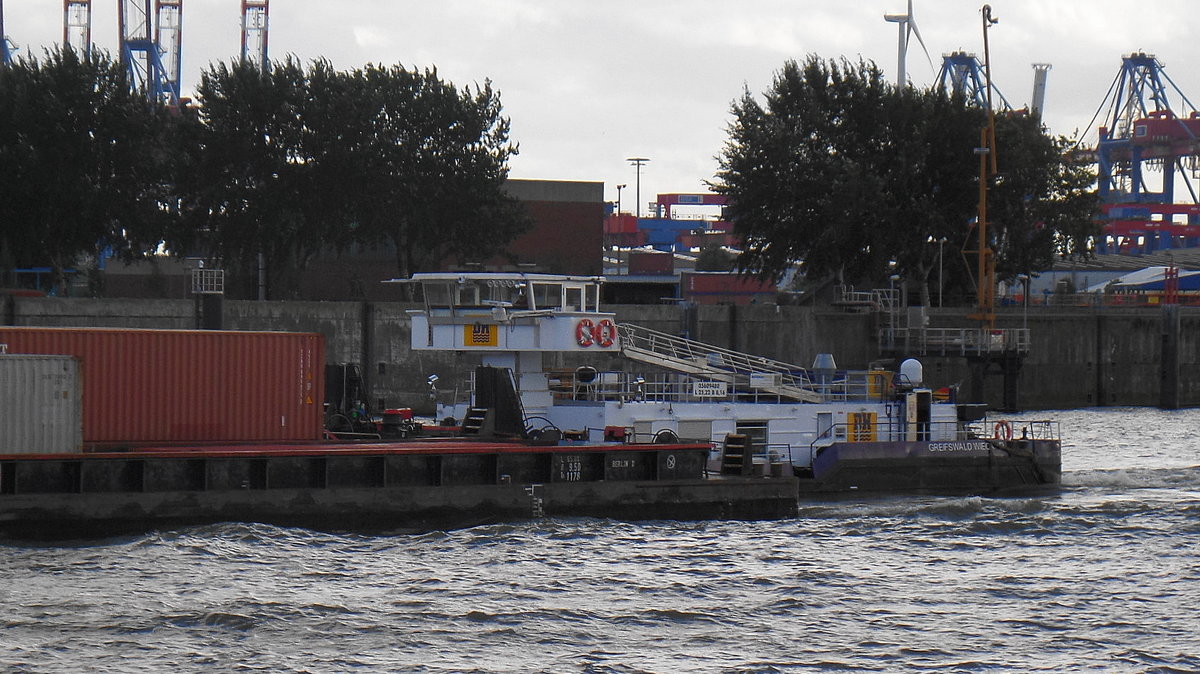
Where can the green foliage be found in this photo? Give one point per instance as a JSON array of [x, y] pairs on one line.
[[280, 162], [859, 180], [250, 187], [715, 258], [292, 161], [1042, 204], [429, 162], [84, 160]]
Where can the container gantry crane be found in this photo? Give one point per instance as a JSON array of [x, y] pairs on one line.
[[962, 73], [1143, 134], [6, 47], [77, 25], [153, 55], [254, 31]]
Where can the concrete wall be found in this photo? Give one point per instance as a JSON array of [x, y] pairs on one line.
[[1079, 357]]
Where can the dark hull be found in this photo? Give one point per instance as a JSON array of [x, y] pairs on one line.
[[402, 488], [975, 466]]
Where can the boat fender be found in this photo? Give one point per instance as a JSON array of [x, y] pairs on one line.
[[585, 332], [606, 333], [1002, 431]]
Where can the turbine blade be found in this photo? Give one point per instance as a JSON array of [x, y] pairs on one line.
[[912, 28]]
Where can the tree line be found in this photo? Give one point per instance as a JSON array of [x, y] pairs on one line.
[[834, 169], [860, 181], [275, 164]]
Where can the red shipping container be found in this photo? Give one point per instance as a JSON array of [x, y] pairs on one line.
[[725, 288], [152, 386], [620, 224], [657, 264]]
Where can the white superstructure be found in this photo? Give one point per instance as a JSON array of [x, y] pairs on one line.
[[692, 391]]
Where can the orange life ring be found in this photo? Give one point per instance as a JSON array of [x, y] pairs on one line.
[[606, 333], [1002, 430], [585, 332]]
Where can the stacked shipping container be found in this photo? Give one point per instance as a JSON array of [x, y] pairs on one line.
[[39, 405], [181, 386]]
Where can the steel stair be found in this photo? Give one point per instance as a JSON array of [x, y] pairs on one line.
[[736, 456], [712, 362], [475, 421]]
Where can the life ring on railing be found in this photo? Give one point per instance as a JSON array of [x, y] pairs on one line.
[[585, 332], [1002, 430], [606, 333]]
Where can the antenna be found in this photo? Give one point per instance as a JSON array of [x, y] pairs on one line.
[[907, 25]]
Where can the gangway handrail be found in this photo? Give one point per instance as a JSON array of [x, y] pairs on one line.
[[693, 357]]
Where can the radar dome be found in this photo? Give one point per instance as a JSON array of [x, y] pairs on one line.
[[912, 372]]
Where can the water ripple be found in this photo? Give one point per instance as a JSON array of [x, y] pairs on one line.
[[1100, 575]]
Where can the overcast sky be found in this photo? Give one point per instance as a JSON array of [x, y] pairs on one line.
[[588, 84]]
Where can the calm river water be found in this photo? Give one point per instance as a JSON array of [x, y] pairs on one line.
[[1101, 575]]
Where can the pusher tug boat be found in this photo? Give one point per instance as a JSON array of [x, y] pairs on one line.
[[834, 430]]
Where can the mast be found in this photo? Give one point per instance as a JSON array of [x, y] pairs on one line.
[[985, 287]]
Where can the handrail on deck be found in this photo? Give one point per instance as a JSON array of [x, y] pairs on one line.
[[690, 356]]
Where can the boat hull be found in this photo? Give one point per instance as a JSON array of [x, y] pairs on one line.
[[975, 466]]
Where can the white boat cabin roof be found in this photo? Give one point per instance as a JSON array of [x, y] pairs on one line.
[[529, 292]]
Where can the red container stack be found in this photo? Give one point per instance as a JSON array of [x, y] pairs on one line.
[[182, 386]]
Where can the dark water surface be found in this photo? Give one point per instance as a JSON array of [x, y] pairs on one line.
[[1102, 575]]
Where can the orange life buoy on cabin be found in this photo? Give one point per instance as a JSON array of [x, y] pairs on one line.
[[585, 332], [1002, 430], [606, 333]]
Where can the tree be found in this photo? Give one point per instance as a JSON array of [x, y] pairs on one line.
[[251, 184], [84, 161], [434, 160], [714, 257], [859, 180], [291, 161], [1041, 204]]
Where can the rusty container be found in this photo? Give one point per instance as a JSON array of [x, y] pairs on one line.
[[186, 386]]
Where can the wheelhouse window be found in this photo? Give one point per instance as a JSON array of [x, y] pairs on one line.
[[547, 295]]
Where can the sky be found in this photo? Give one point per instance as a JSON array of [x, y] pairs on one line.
[[589, 84]]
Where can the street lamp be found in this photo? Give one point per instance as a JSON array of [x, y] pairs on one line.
[[638, 161], [619, 188], [941, 279], [1024, 279]]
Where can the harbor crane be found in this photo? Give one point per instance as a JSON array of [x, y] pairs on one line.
[[6, 47], [1150, 127]]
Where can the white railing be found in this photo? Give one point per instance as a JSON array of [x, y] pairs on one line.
[[955, 341], [675, 387], [692, 357]]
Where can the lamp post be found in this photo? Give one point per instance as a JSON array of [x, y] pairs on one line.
[[941, 279], [619, 188], [638, 162], [1024, 279]]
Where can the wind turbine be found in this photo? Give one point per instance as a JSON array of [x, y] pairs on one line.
[[908, 27]]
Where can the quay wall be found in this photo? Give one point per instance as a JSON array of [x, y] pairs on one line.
[[1079, 357]]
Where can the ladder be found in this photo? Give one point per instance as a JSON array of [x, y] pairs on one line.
[[475, 421], [736, 457], [712, 362]]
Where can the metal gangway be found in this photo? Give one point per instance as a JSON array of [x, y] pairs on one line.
[[713, 362]]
